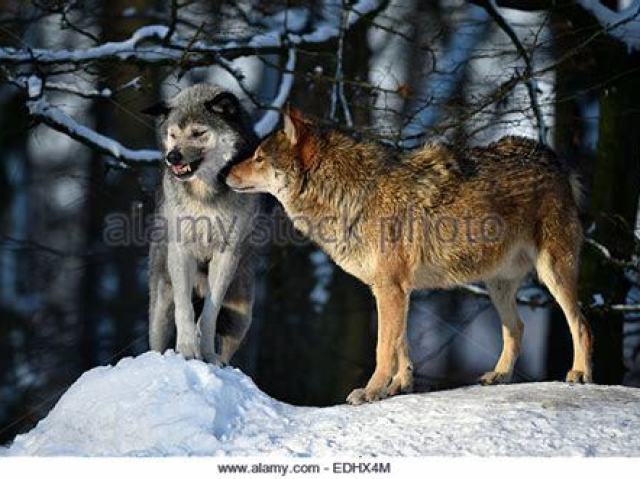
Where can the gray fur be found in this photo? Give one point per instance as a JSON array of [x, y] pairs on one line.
[[207, 252]]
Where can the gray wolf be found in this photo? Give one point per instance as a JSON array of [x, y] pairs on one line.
[[205, 250], [435, 217]]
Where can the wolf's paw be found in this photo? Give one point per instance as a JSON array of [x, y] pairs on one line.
[[212, 358], [402, 383], [363, 395], [208, 351], [494, 377], [188, 349], [576, 376]]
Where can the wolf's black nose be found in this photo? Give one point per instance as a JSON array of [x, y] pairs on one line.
[[174, 157]]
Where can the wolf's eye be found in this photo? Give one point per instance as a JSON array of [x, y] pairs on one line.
[[198, 133], [258, 158], [172, 136]]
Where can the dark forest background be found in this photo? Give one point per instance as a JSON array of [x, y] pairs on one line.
[[401, 71]]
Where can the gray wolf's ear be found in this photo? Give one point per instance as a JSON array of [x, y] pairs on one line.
[[158, 109], [225, 104]]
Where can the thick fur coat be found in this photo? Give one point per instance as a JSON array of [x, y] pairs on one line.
[[435, 217], [202, 248]]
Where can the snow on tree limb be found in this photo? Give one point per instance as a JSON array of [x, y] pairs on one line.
[[123, 50], [623, 25], [160, 45], [541, 299], [171, 50], [35, 87], [57, 119], [269, 120]]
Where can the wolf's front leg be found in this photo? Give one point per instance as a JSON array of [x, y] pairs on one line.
[[161, 322], [222, 269], [392, 303], [182, 270]]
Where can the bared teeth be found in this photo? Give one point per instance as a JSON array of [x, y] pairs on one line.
[[181, 169]]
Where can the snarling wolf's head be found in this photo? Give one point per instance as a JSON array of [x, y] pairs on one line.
[[202, 130], [280, 160]]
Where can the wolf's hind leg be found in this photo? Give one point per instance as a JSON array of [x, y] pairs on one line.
[[402, 382], [503, 296], [236, 313], [161, 321], [206, 343], [232, 328], [558, 271]]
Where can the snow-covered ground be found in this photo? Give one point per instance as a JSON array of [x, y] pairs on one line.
[[157, 405]]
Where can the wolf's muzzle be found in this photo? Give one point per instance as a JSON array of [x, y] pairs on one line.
[[174, 157], [179, 167]]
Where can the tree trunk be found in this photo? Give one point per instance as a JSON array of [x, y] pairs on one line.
[[607, 69]]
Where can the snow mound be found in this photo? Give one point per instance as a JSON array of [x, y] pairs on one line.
[[159, 405], [151, 405]]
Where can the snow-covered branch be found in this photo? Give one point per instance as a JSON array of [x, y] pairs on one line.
[[161, 45], [35, 87], [542, 300], [129, 49], [623, 25], [269, 120], [153, 44], [57, 119]]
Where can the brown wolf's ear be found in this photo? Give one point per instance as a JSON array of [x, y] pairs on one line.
[[300, 135], [294, 125]]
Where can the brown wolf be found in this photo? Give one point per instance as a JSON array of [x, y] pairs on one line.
[[430, 218]]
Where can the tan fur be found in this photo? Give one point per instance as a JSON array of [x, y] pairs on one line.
[[200, 189], [494, 212]]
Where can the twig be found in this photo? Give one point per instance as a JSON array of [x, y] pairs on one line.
[[338, 86]]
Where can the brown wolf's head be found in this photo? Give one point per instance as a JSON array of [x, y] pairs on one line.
[[279, 160]]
